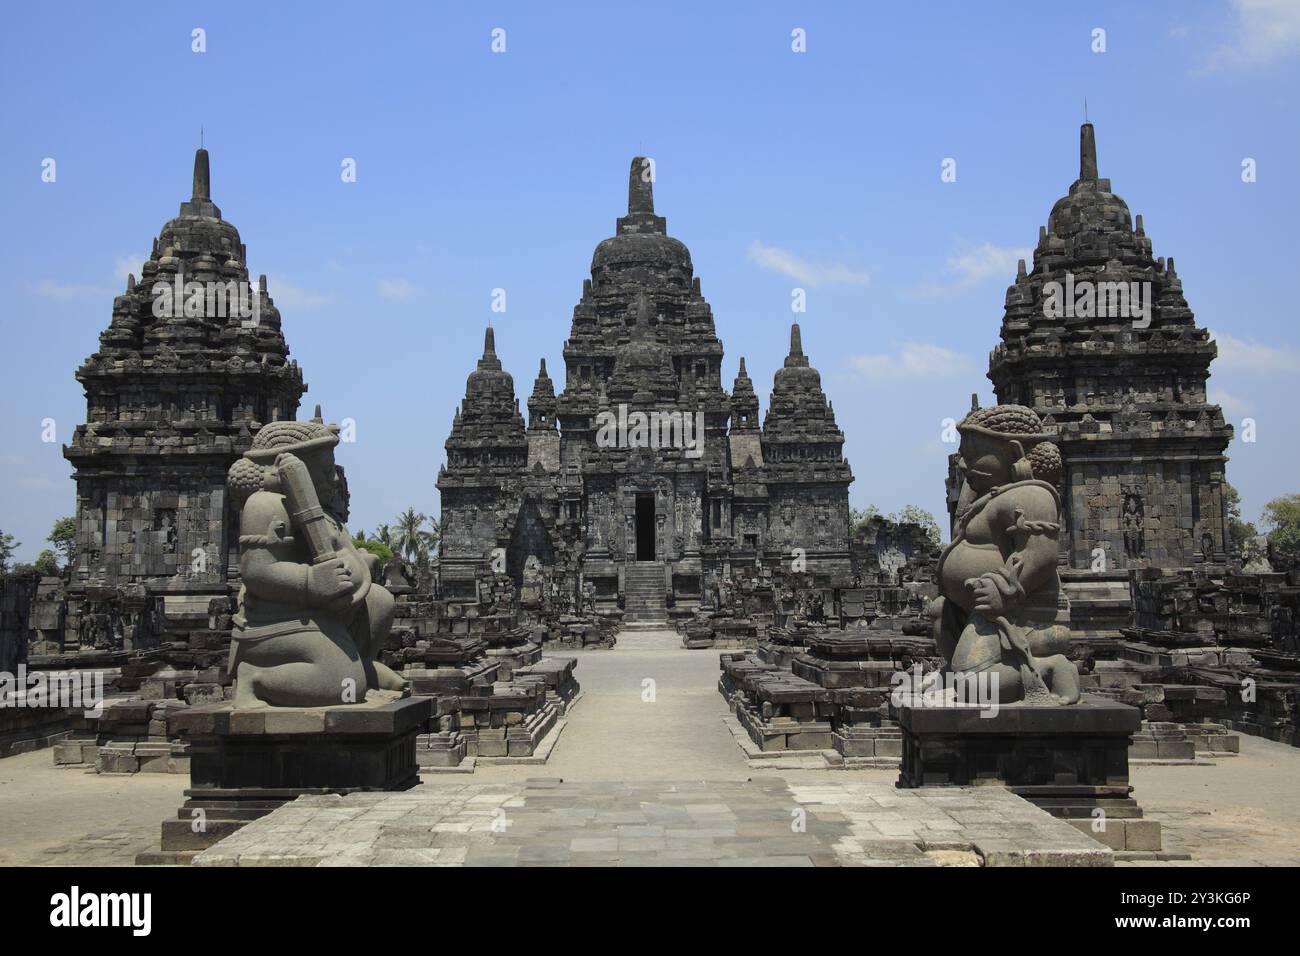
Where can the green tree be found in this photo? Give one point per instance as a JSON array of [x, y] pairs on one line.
[[410, 536], [1238, 531], [7, 548], [860, 516], [1281, 521], [64, 538], [47, 563], [380, 550]]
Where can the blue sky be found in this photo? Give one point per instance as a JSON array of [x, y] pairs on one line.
[[478, 170]]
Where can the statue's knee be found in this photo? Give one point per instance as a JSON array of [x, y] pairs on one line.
[[978, 648], [381, 607]]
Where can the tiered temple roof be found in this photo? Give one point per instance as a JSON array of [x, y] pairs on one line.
[[1098, 339], [176, 391], [487, 436]]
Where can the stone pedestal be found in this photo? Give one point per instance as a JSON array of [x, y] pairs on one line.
[[244, 763], [1070, 761]]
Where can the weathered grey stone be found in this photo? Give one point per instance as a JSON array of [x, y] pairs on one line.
[[635, 521]]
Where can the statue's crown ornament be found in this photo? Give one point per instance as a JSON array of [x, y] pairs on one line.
[[276, 438]]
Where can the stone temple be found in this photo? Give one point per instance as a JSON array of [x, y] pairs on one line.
[[171, 401], [644, 478], [1113, 362]]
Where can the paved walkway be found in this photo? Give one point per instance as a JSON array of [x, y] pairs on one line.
[[669, 736], [762, 822], [650, 710]]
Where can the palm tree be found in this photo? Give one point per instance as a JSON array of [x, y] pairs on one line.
[[408, 540], [384, 535], [433, 537]]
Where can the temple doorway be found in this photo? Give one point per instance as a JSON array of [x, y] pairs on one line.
[[645, 526]]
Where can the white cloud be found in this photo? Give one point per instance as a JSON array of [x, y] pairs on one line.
[[787, 263], [1254, 356], [1265, 30], [286, 293], [911, 360], [976, 264], [52, 289], [128, 264], [1231, 404], [398, 290]]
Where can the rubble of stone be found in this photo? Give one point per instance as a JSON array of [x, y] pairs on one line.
[[891, 577], [1211, 654], [824, 652]]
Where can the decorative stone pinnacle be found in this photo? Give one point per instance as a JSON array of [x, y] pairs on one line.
[[1087, 152], [202, 176], [640, 187], [796, 356]]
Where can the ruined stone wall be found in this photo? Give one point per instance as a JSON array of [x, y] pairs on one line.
[[17, 596], [157, 527], [894, 552]]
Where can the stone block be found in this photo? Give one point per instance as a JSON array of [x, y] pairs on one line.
[[1142, 835]]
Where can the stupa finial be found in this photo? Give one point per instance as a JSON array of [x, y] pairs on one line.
[[640, 186], [1087, 152], [202, 176]]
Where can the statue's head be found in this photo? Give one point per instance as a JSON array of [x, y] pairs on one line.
[[1002, 444], [312, 442]]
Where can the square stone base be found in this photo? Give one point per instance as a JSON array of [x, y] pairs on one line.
[[1083, 746], [335, 749], [1071, 761], [244, 763]]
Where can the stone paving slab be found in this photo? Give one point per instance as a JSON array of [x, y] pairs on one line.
[[763, 821]]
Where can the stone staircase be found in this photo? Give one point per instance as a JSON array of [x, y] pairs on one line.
[[644, 600]]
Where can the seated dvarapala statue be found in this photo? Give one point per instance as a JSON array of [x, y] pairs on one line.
[[1002, 609], [311, 618]]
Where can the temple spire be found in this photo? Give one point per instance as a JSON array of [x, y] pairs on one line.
[[489, 343], [640, 186], [202, 176], [1087, 152], [796, 358]]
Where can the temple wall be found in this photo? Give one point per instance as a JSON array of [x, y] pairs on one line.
[[134, 529], [1145, 512]]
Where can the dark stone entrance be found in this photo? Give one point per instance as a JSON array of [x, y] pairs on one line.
[[645, 526]]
